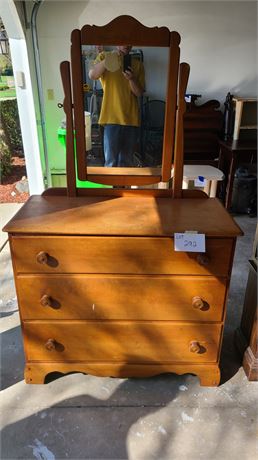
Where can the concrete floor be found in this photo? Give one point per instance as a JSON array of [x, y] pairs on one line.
[[166, 417]]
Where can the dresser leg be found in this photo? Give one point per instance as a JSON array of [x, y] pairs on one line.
[[209, 377], [33, 374]]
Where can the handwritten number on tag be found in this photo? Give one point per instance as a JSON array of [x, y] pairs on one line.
[[189, 243]]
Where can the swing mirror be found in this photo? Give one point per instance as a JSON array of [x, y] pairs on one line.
[[150, 106], [154, 49]]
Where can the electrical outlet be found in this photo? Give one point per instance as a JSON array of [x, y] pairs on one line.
[[20, 79], [50, 94]]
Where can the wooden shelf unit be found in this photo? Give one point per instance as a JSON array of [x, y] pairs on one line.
[[245, 125]]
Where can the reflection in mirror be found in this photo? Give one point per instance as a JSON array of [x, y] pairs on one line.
[[124, 94]]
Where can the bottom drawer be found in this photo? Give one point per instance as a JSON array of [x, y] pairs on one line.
[[126, 342]]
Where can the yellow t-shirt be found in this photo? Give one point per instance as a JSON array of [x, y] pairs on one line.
[[119, 105]]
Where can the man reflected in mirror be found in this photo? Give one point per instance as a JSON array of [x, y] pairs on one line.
[[123, 81]]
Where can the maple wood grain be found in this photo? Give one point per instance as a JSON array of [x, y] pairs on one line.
[[154, 297]]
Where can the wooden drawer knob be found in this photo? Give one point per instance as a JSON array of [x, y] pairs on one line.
[[195, 347], [50, 344], [42, 257], [46, 301], [197, 302], [203, 259]]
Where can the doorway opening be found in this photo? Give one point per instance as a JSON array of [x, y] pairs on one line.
[[14, 187]]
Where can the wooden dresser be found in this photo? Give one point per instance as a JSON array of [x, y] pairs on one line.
[[102, 291]]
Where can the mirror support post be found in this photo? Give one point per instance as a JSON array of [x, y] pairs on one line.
[[70, 158], [76, 63], [179, 141], [171, 106]]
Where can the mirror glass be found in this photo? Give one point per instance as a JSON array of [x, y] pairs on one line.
[[124, 104]]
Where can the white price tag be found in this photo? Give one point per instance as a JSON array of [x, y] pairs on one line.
[[189, 242], [200, 182]]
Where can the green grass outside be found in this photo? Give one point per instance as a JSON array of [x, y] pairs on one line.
[[7, 93], [3, 78]]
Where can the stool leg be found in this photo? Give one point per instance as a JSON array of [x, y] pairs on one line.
[[185, 183], [231, 175], [207, 187], [213, 189]]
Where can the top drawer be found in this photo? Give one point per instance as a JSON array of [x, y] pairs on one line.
[[129, 255]]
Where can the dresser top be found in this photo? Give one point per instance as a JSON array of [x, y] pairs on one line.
[[124, 216]]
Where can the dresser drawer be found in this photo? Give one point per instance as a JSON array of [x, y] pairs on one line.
[[137, 255], [125, 341], [152, 297]]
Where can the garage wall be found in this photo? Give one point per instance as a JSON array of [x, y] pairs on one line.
[[219, 41]]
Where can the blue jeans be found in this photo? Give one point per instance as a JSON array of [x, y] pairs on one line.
[[119, 145]]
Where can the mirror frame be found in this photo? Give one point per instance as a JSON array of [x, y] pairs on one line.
[[123, 29]]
